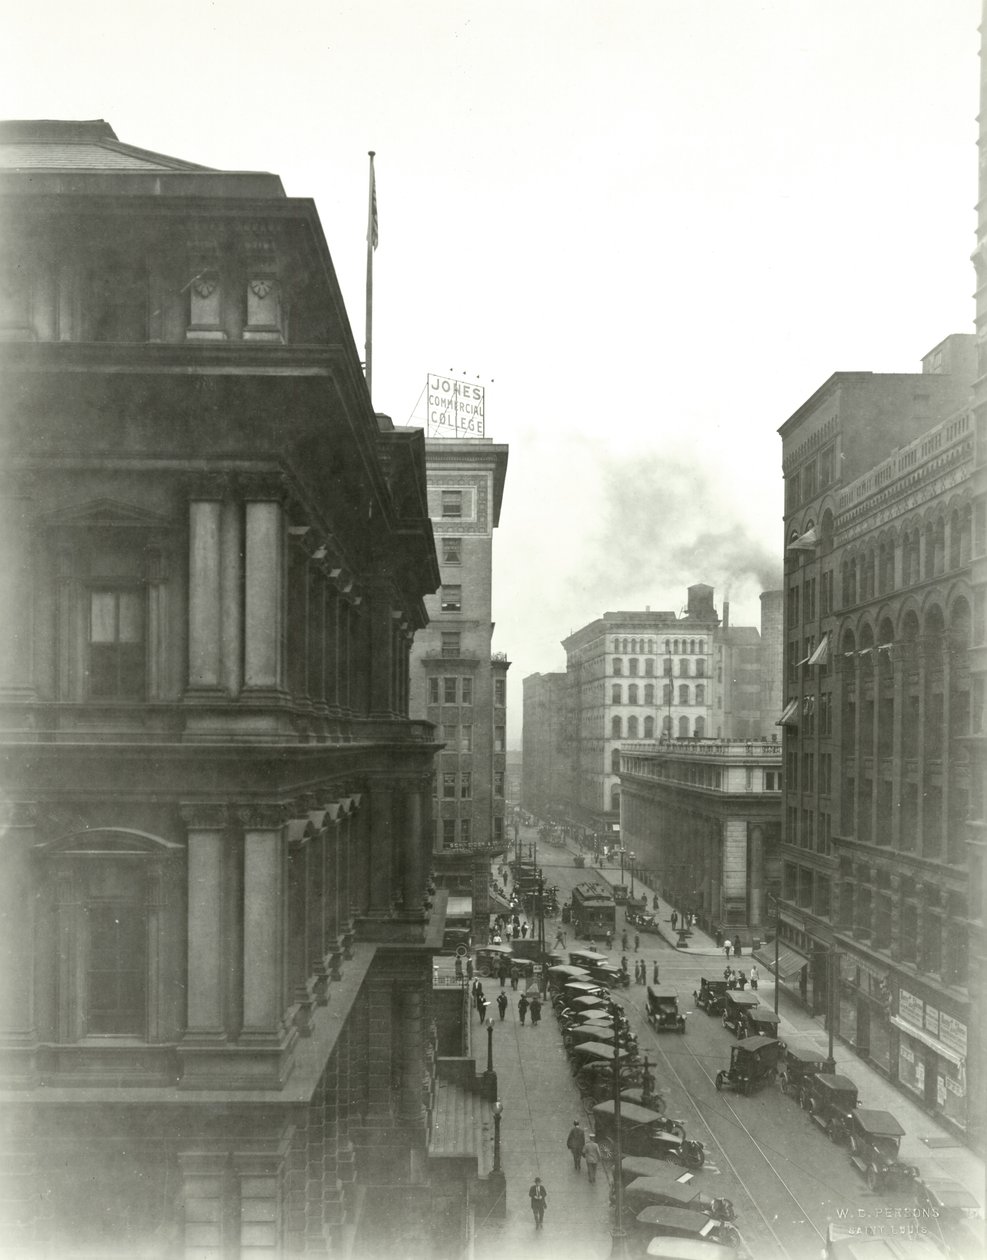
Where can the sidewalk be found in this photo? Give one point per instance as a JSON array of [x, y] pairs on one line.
[[540, 1103]]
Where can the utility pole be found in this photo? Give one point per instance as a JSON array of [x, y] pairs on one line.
[[618, 1236], [832, 996]]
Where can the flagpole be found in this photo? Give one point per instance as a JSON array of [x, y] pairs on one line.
[[371, 245]]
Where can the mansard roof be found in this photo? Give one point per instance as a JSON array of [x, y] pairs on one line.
[[51, 144]]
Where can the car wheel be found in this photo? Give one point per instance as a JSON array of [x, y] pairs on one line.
[[607, 1152], [720, 1079]]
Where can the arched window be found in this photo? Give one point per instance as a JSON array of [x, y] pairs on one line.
[[632, 727], [683, 668], [699, 729], [632, 694], [675, 647], [651, 646], [618, 666], [692, 646], [700, 668], [615, 761], [683, 728], [615, 694], [649, 667], [666, 725], [666, 694], [666, 666], [616, 728], [700, 694], [668, 646], [702, 645], [615, 799], [649, 693], [684, 695], [632, 665], [649, 728]]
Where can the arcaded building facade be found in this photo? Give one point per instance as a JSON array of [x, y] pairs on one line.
[[216, 935], [880, 883]]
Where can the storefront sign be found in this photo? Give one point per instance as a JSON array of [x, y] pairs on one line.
[[931, 1020], [455, 408], [910, 1007], [952, 1033]]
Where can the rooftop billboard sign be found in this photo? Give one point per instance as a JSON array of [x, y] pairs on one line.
[[455, 408]]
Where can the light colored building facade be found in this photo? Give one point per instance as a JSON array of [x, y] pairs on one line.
[[705, 817], [216, 947], [457, 681], [879, 912], [545, 787]]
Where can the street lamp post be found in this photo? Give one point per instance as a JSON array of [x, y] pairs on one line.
[[777, 946], [631, 856], [618, 1236], [498, 1112], [490, 1045]]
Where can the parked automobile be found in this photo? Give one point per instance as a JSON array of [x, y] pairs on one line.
[[642, 1133], [651, 1097], [852, 1242], [645, 922], [490, 958], [666, 1190], [634, 906], [594, 1034], [736, 1004], [634, 1166], [758, 1021], [600, 968], [952, 1214], [690, 1249], [875, 1137], [595, 1080], [710, 995], [662, 1009], [830, 1100], [677, 1222], [753, 1061], [800, 1063]]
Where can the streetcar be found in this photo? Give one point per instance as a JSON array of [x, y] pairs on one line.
[[593, 913]]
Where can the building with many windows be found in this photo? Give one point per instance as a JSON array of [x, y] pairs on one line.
[[216, 944], [880, 900], [545, 786], [457, 681]]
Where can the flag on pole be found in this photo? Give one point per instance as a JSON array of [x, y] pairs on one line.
[[372, 224]]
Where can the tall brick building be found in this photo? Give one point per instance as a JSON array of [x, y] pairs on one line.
[[216, 948], [881, 907]]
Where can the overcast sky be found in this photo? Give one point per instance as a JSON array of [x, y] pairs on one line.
[[652, 228]]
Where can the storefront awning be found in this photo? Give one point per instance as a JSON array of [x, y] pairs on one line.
[[497, 904], [821, 655], [789, 715], [459, 907], [805, 542], [944, 1052], [790, 961]]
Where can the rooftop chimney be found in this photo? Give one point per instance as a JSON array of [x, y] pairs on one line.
[[725, 625]]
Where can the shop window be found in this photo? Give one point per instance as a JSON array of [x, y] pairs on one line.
[[452, 551], [116, 644]]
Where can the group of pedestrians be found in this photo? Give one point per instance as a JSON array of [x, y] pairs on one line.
[[532, 1004], [641, 972], [737, 979]]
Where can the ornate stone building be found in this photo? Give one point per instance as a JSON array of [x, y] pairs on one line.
[[881, 911], [216, 941]]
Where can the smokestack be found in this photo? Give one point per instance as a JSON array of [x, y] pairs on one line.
[[726, 615]]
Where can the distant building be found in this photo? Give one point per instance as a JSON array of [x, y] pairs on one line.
[[456, 681], [705, 818], [882, 837], [545, 756], [215, 1032]]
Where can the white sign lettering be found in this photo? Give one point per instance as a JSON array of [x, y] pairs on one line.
[[455, 408], [952, 1033]]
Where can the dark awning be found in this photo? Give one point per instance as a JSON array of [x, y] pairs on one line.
[[790, 961]]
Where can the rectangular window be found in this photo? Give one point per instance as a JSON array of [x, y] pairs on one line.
[[500, 691], [450, 737], [466, 739], [452, 504], [825, 467], [649, 668], [449, 786], [793, 606], [498, 739], [666, 667], [116, 969], [826, 593], [116, 644], [448, 832], [451, 643], [449, 690], [466, 832], [452, 551], [700, 668], [809, 480], [498, 783], [809, 599], [467, 688], [451, 599], [466, 785], [433, 691], [498, 828]]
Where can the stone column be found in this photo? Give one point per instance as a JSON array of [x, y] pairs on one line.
[[264, 860], [317, 934], [381, 848], [299, 892], [265, 594], [334, 948], [208, 879], [755, 839], [410, 1107], [204, 627], [381, 656], [231, 595], [18, 1035], [16, 598], [413, 880]]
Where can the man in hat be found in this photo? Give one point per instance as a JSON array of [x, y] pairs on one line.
[[576, 1142]]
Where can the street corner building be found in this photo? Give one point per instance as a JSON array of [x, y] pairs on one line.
[[216, 1031]]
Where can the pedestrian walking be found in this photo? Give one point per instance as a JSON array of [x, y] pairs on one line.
[[514, 978], [560, 938], [535, 1011], [654, 977], [481, 1008], [503, 974], [576, 1142], [502, 1004], [459, 968], [624, 942], [609, 940], [675, 920], [654, 902], [637, 942], [754, 977], [591, 1154], [718, 934], [524, 930], [522, 1008], [539, 1198], [727, 947], [736, 946], [469, 968]]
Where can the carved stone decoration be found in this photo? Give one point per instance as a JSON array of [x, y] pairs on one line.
[[204, 815], [205, 292], [264, 320], [261, 815], [205, 283]]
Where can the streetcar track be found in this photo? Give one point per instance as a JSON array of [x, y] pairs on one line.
[[751, 1196]]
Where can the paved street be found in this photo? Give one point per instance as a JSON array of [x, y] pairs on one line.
[[785, 1178]]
